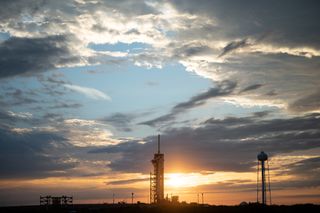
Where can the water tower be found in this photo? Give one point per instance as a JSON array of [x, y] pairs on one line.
[[265, 178]]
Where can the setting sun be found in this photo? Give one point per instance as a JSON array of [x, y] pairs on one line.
[[183, 180]]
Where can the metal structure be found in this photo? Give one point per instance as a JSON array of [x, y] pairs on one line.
[[132, 194], [157, 177], [55, 201], [265, 178], [202, 198]]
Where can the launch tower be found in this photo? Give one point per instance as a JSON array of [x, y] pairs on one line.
[[157, 177]]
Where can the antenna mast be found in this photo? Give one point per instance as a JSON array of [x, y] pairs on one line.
[[158, 144]]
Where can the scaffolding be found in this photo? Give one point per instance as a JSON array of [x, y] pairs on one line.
[[157, 177], [55, 201]]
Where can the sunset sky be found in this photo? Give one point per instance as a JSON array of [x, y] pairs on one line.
[[86, 86]]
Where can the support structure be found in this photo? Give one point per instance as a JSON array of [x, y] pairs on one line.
[[157, 177], [202, 198], [56, 201], [262, 159], [132, 194]]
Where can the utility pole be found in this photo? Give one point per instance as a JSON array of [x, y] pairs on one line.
[[202, 198], [132, 197]]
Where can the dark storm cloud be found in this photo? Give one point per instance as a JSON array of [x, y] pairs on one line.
[[251, 87], [223, 88], [32, 55], [29, 154], [229, 144], [233, 46], [288, 22], [120, 121]]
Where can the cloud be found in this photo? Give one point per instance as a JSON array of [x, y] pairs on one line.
[[128, 181], [307, 167], [89, 92], [21, 97], [310, 102], [6, 118], [10, 118], [120, 121], [255, 18], [275, 47], [26, 56], [261, 114], [30, 154], [67, 105], [190, 49], [223, 88], [251, 87], [228, 144], [51, 146], [192, 34], [22, 115], [233, 46], [11, 10]]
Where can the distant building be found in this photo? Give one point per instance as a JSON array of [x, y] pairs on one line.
[[175, 199]]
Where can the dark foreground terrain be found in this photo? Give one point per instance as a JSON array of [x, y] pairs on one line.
[[144, 208]]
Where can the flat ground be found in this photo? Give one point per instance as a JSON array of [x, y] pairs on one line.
[[145, 208]]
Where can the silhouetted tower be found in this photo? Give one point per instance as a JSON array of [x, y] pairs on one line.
[[132, 197], [157, 177], [262, 159]]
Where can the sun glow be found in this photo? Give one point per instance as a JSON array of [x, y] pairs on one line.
[[183, 180]]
